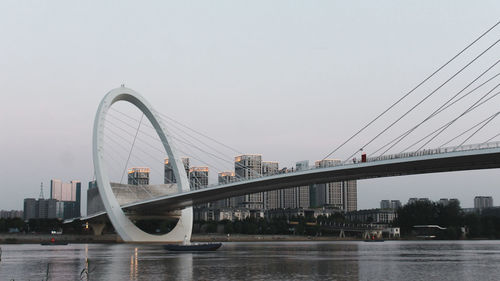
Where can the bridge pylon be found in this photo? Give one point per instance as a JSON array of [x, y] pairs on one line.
[[127, 230]]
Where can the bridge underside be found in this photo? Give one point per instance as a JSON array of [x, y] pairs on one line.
[[456, 161]]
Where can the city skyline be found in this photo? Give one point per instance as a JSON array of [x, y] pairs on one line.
[[199, 178], [303, 71]]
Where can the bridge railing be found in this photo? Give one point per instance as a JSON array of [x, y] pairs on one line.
[[441, 150], [424, 152]]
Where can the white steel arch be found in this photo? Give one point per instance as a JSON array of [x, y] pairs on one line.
[[123, 226]]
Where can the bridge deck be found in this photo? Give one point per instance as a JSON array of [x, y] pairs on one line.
[[388, 166]]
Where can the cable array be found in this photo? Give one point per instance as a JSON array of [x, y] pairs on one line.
[[132, 141], [454, 102]]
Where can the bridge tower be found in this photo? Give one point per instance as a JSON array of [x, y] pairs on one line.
[[127, 230]]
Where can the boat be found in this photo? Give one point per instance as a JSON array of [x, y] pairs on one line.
[[375, 240], [187, 246], [53, 242], [192, 247]]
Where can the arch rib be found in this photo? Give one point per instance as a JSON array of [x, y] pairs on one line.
[[123, 226]]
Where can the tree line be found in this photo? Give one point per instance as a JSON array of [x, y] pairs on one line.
[[458, 224]]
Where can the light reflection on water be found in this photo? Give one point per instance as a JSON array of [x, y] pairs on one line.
[[391, 260]]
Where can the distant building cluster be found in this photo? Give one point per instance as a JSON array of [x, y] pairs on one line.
[[483, 202], [376, 216], [390, 204], [414, 200], [64, 202], [336, 195], [12, 214], [446, 201], [314, 200]]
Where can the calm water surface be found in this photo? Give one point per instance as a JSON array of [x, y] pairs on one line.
[[392, 260]]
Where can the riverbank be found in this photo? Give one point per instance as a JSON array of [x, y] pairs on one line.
[[113, 238], [262, 238], [19, 238]]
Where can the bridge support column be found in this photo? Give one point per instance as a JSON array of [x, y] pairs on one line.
[[97, 227]]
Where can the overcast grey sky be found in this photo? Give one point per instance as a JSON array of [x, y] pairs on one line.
[[288, 79]]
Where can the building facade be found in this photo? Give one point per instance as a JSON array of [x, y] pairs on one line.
[[12, 214], [339, 195], [249, 166], [225, 178], [482, 202], [138, 176], [68, 193], [303, 192], [350, 195], [372, 216], [41, 209], [30, 209], [414, 200], [64, 191], [198, 177], [446, 201], [169, 176], [272, 199]]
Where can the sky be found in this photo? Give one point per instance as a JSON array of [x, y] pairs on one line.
[[290, 80]]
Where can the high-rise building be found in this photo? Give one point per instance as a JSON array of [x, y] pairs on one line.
[[30, 209], [395, 204], [288, 198], [169, 172], [249, 166], [64, 202], [334, 195], [272, 199], [64, 191], [303, 192], [325, 163], [415, 200], [78, 200], [390, 204], [138, 176], [446, 201], [198, 177], [385, 204], [42, 208], [350, 195], [224, 178], [46, 209], [323, 194], [302, 165], [303, 197], [341, 195], [481, 202], [56, 189], [412, 200]]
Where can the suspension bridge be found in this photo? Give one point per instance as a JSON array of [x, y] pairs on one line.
[[454, 130]]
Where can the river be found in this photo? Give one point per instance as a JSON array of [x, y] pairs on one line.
[[390, 260]]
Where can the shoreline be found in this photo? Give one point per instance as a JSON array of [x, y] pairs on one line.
[[114, 239]]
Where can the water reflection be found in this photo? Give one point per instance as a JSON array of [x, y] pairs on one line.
[[469, 260]]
